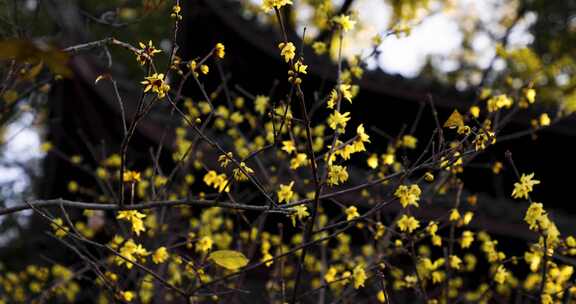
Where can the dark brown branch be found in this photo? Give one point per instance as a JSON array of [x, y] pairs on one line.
[[140, 206]]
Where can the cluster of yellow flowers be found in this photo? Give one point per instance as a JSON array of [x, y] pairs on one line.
[[269, 5], [302, 167], [218, 181], [408, 195], [130, 253], [135, 219]]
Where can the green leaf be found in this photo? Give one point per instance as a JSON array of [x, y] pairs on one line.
[[228, 259]]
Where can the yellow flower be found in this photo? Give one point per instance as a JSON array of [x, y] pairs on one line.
[[498, 102], [436, 240], [113, 160], [372, 161], [73, 186], [146, 52], [332, 98], [432, 228], [267, 258], [319, 47], [345, 91], [380, 231], [220, 50], [524, 187], [337, 121], [471, 261], [160, 181], [475, 111], [59, 229], [467, 218], [160, 255], [157, 84], [300, 212], [300, 68], [127, 296], [351, 213], [344, 22], [497, 167], [76, 159], [362, 136], [331, 275], [135, 218], [501, 274], [269, 5], [401, 28], [454, 215], [225, 159], [204, 244], [482, 138], [288, 146], [409, 141], [359, 275], [381, 296], [285, 193], [533, 259], [241, 176], [544, 120], [536, 216], [204, 69], [466, 239], [261, 103], [336, 175], [455, 262], [176, 9], [301, 159], [287, 50], [131, 251], [218, 181], [408, 223], [408, 195], [530, 95], [131, 177]]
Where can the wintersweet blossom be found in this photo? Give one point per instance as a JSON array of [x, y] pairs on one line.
[[523, 188], [408, 223], [408, 195]]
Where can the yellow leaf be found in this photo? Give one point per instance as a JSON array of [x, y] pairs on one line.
[[454, 121], [228, 259]]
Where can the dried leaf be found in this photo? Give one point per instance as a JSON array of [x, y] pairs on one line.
[[454, 121]]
